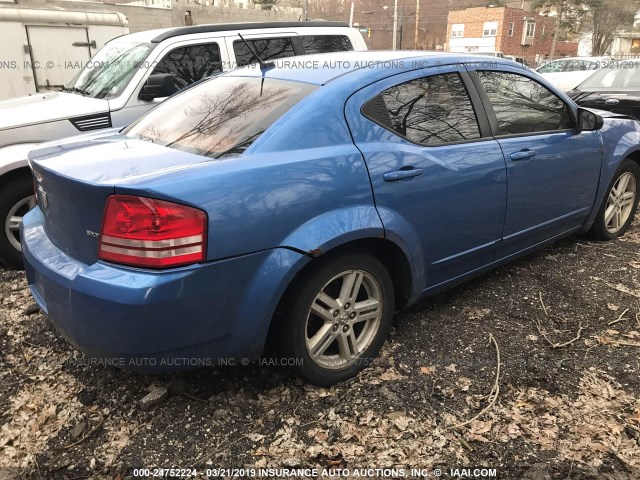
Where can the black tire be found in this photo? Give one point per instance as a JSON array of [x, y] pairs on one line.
[[12, 192], [599, 229], [297, 313]]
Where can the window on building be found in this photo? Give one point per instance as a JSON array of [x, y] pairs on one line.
[[490, 29], [511, 28], [457, 30], [429, 111], [529, 28], [542, 31]]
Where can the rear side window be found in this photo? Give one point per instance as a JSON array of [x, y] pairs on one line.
[[325, 43], [221, 117], [430, 111], [523, 105], [266, 48], [190, 64]]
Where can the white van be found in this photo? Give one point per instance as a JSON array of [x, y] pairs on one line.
[[44, 48], [129, 76]]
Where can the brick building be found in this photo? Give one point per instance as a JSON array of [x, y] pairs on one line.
[[511, 31]]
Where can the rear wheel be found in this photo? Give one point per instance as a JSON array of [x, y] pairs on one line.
[[619, 208], [338, 318], [16, 199]]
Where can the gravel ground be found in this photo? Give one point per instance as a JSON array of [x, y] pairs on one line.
[[565, 323]]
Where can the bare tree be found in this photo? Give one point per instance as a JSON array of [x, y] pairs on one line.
[[329, 9], [569, 14], [266, 4], [607, 17]]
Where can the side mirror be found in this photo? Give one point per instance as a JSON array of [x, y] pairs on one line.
[[158, 85], [588, 120]]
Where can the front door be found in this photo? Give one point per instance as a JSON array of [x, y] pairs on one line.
[[552, 168]]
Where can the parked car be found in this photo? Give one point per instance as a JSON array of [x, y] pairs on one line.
[[305, 206], [44, 47], [615, 88], [129, 76], [567, 73]]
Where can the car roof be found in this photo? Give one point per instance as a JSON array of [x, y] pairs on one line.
[[323, 68], [160, 34]]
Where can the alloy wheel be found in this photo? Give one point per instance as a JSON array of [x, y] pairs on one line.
[[344, 319], [14, 220], [620, 202]]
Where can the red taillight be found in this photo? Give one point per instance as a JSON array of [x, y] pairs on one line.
[[152, 233]]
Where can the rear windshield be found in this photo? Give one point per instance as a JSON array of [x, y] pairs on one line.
[[621, 75], [221, 117]]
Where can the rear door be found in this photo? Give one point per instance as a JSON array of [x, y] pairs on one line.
[[57, 54], [552, 168], [437, 175]]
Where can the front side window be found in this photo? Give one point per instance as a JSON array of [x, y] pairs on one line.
[[523, 105], [490, 29], [109, 72], [190, 64], [457, 30], [221, 117], [430, 111], [266, 48], [325, 43]]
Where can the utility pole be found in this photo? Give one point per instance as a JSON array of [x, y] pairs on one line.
[[351, 15], [395, 24], [415, 40], [305, 10]]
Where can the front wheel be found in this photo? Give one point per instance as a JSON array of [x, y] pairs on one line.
[[16, 199], [338, 318], [619, 208]]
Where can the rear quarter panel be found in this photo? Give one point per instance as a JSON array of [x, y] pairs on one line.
[[302, 185]]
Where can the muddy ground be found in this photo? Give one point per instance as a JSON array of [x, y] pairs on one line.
[[566, 324]]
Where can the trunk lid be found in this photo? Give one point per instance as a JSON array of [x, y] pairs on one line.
[[74, 178]]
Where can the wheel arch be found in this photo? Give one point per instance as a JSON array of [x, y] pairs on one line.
[[635, 156], [389, 253], [14, 158], [15, 173]]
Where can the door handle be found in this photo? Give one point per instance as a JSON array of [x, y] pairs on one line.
[[523, 154], [401, 174]]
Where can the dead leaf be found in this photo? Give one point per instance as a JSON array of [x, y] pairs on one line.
[[464, 383]]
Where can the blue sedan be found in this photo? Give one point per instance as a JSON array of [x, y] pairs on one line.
[[299, 208]]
